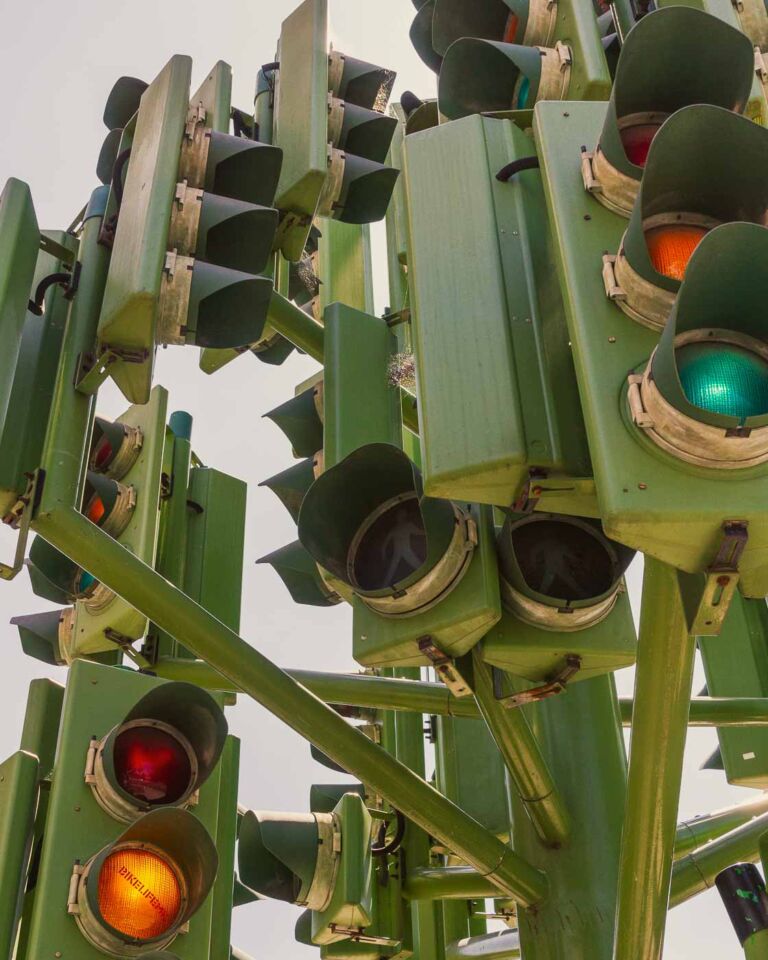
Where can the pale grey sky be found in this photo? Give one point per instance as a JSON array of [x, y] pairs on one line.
[[57, 64]]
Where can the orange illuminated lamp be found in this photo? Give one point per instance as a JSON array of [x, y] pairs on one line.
[[139, 893], [107, 503], [671, 246]]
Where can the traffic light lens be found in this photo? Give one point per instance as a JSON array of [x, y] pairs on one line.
[[637, 141], [102, 455], [670, 248], [392, 548], [85, 583], [510, 31], [523, 92], [139, 893], [151, 765], [724, 378], [562, 560], [95, 511]]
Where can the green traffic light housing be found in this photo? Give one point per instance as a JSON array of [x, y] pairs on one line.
[[357, 190], [108, 503], [115, 447], [706, 167], [358, 82], [366, 521], [301, 420], [703, 395], [54, 576], [527, 22], [559, 573], [290, 486], [697, 58], [45, 636], [360, 131], [228, 166], [136, 893], [301, 575], [160, 754], [483, 76]]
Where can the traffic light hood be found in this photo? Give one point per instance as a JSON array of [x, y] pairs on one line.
[[358, 82], [108, 155], [52, 575], [123, 101], [696, 58], [358, 130], [422, 37], [364, 191], [227, 308], [483, 76], [367, 522], [290, 486], [505, 20], [40, 635], [239, 168], [301, 420], [301, 576]]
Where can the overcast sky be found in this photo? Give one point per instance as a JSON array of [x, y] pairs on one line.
[[57, 65]]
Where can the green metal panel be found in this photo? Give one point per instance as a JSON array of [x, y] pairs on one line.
[[736, 665], [455, 624], [215, 96], [301, 121], [29, 406], [130, 301], [18, 802], [215, 538], [344, 265], [226, 837], [486, 310], [647, 499], [41, 723], [19, 242], [140, 536], [397, 219], [465, 757], [536, 654], [96, 699]]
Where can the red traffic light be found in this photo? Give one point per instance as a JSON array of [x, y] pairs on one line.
[[152, 764]]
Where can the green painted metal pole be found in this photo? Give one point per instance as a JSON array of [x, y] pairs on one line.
[[581, 739], [64, 460], [717, 711], [756, 946], [700, 830], [522, 756], [489, 946], [89, 547], [447, 883], [696, 871], [663, 679], [18, 801], [291, 322]]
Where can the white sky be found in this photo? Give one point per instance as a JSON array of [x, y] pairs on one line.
[[57, 65]]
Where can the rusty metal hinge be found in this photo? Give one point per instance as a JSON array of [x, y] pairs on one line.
[[555, 685]]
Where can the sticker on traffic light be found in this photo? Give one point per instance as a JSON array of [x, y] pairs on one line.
[[562, 587], [194, 231], [697, 58]]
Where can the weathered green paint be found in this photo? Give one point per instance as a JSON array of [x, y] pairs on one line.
[[447, 883], [527, 768], [226, 652], [96, 699], [42, 718], [487, 310], [662, 688], [696, 871], [580, 737], [344, 265], [500, 945], [140, 535], [756, 946], [18, 802], [214, 95], [301, 121], [647, 499], [19, 242], [222, 894], [736, 665], [397, 220], [694, 833], [129, 310], [29, 403]]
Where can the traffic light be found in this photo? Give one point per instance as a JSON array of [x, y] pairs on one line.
[[697, 58], [321, 861], [121, 495], [502, 55], [125, 866], [660, 445], [421, 36], [490, 297], [329, 121], [566, 609], [19, 243], [194, 230]]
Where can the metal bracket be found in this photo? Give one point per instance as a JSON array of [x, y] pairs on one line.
[[91, 372], [126, 646], [761, 66], [402, 316], [640, 416], [613, 290], [195, 115], [445, 668], [56, 250], [74, 882], [591, 183], [564, 54], [19, 517], [357, 936], [722, 577], [555, 685], [548, 495]]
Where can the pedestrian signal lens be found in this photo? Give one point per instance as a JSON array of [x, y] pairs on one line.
[[671, 247], [562, 560], [724, 378], [139, 893], [637, 140], [152, 765], [391, 546]]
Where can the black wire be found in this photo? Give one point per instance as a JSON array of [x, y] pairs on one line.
[[517, 166], [35, 305], [382, 849]]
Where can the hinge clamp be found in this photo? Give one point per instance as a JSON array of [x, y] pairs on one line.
[[555, 684]]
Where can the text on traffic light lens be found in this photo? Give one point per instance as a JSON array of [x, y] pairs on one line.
[[670, 247], [392, 547], [562, 560], [139, 893], [637, 140], [724, 378], [151, 765]]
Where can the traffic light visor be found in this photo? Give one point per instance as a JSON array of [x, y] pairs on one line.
[[504, 20], [278, 852], [123, 101], [422, 37]]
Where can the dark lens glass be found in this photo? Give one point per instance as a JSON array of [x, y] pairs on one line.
[[562, 560], [392, 548], [151, 765]]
